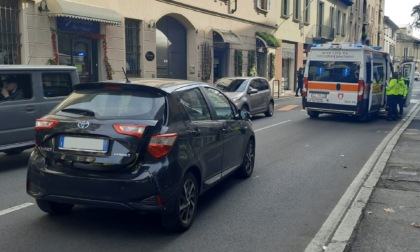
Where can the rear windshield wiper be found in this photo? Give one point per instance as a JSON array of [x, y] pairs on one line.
[[85, 112]]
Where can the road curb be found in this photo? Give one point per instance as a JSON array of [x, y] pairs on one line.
[[336, 232]]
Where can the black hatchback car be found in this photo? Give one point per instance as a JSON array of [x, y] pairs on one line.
[[152, 145]]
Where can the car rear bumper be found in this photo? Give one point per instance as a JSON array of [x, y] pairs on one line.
[[139, 192]]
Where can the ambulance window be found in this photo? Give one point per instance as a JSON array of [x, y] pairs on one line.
[[378, 72], [368, 72], [334, 71]]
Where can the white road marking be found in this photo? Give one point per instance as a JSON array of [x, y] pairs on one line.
[[15, 208], [272, 125]]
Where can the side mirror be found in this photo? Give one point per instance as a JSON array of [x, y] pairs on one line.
[[244, 114], [252, 91]]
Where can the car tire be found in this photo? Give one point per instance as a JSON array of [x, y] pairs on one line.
[[54, 208], [184, 212], [247, 166], [270, 109], [313, 114]]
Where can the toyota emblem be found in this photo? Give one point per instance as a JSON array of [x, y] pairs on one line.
[[83, 124]]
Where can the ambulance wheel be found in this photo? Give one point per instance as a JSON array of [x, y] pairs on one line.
[[313, 114]]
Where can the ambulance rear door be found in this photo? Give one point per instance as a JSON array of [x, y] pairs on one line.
[[407, 69], [333, 80]]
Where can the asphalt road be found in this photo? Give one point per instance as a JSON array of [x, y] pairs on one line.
[[303, 167]]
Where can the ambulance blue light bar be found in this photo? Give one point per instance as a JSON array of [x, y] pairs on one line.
[[376, 48]]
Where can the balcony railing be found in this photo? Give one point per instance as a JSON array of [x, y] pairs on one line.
[[407, 58], [320, 34], [403, 58]]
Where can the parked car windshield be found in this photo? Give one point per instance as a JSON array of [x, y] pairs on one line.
[[231, 85], [114, 104]]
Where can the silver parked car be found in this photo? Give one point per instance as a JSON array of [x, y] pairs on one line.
[[248, 93]]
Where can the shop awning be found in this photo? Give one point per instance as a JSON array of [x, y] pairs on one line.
[[67, 8], [229, 36], [268, 38]]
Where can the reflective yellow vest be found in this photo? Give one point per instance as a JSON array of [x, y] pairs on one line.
[[393, 87]]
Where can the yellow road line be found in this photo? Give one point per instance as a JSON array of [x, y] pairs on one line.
[[288, 107]]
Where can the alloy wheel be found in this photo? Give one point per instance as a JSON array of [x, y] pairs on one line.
[[188, 201]]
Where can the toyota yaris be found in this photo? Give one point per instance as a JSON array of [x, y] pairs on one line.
[[152, 145]]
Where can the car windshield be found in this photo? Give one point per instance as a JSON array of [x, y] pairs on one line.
[[231, 85], [108, 103]]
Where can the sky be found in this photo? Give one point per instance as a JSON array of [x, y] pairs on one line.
[[399, 11]]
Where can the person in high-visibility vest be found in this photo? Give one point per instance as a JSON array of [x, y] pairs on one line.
[[392, 90], [402, 94]]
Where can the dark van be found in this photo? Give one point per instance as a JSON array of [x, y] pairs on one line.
[[28, 92]]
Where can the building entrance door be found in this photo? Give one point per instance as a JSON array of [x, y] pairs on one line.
[[171, 49], [80, 52]]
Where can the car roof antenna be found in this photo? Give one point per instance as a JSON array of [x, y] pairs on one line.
[[126, 78]]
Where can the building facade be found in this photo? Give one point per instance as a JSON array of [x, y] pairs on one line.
[[407, 48], [390, 37], [187, 39]]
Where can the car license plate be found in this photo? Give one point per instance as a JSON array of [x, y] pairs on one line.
[[318, 95], [83, 144]]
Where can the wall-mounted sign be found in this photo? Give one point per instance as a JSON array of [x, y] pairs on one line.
[[77, 25], [150, 56]]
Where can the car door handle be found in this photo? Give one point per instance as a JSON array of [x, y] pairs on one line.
[[195, 132], [30, 108]]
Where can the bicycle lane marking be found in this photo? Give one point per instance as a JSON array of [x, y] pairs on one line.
[[15, 208]]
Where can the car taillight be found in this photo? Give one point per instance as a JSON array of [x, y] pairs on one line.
[[161, 145], [42, 124], [305, 86], [130, 129], [361, 89]]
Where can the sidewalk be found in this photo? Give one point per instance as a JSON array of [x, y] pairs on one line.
[[285, 94], [391, 219], [381, 209]]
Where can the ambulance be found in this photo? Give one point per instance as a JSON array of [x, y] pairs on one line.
[[349, 79]]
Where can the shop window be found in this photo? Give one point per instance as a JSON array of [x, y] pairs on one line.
[[132, 47], [9, 32]]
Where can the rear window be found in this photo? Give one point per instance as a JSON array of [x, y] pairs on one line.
[[334, 71], [56, 84], [109, 104], [231, 85]]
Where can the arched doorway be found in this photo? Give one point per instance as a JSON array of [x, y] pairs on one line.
[[171, 49]]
